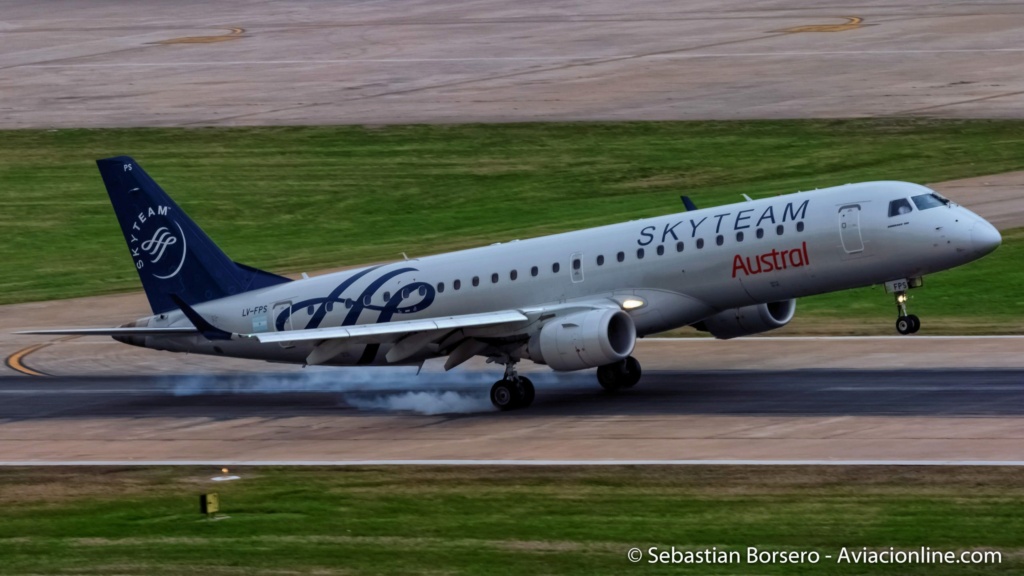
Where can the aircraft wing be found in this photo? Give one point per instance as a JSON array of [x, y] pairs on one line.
[[393, 328], [408, 336]]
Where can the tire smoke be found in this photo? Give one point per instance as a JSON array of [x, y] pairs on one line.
[[372, 389]]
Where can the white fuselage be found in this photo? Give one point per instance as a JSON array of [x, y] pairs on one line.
[[685, 267]]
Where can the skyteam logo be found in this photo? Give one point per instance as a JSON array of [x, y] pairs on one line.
[[158, 243]]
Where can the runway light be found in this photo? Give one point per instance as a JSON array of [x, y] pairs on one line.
[[631, 303], [223, 470]]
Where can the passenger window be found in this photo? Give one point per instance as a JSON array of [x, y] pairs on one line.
[[440, 287], [457, 284], [600, 260], [679, 246], [760, 232], [366, 300], [494, 278], [719, 239], [620, 256], [739, 236], [387, 296], [700, 243], [330, 306], [575, 263], [900, 207], [476, 280], [780, 229], [513, 275], [639, 253], [926, 201], [800, 226], [534, 271], [555, 267], [661, 249]]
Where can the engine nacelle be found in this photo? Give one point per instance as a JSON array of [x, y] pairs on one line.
[[749, 319], [584, 340]]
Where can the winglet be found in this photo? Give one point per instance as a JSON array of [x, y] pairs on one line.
[[690, 206], [209, 331]]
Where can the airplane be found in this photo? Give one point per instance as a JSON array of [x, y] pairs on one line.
[[573, 301]]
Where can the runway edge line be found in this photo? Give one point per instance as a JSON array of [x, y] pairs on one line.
[[333, 463]]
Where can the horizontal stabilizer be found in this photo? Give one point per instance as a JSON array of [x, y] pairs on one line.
[[182, 331]]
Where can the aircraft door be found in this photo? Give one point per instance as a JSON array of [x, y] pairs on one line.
[[849, 228], [280, 325], [576, 266]]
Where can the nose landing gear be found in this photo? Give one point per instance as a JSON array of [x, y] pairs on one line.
[[905, 323], [513, 391]]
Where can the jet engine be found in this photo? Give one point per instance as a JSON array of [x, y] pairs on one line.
[[583, 340], [748, 319]]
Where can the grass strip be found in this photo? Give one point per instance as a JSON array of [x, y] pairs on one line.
[[500, 520]]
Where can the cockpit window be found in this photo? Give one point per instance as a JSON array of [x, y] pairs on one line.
[[926, 201], [897, 207]]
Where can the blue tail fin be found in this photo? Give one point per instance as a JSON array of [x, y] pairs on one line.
[[172, 254]]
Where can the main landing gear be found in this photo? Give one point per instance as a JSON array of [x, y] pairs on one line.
[[905, 323], [513, 391], [622, 374]]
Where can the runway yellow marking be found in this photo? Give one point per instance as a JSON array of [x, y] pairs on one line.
[[852, 22], [16, 361], [233, 34]]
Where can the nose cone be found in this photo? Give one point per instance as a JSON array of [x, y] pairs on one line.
[[984, 238]]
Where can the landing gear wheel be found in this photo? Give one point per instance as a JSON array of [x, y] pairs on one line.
[[909, 324], [526, 392], [904, 325], [915, 323], [512, 394], [622, 374], [607, 378], [504, 395], [633, 372]]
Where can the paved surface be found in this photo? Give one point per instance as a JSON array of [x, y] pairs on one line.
[[764, 415], [237, 63], [110, 63]]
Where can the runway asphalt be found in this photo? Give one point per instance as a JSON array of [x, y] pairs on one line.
[[884, 415], [966, 393]]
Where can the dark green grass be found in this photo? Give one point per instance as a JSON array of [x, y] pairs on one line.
[[498, 520], [294, 199]]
